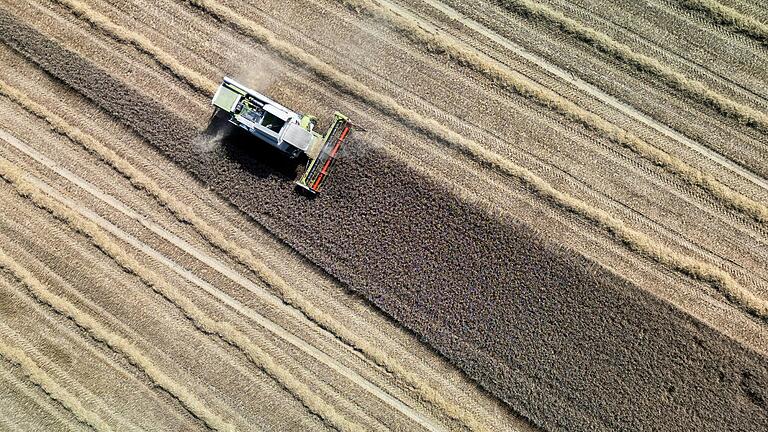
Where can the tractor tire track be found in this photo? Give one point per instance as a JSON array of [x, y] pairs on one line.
[[17, 390], [582, 85], [44, 350], [632, 216], [731, 18], [116, 343], [146, 392], [172, 357], [710, 73], [38, 376], [241, 255], [223, 330], [719, 279], [740, 144], [748, 277], [59, 341], [560, 389], [207, 287], [547, 401], [62, 128], [678, 235], [634, 239], [696, 90]]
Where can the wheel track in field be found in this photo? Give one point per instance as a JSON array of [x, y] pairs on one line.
[[16, 354], [731, 18], [207, 215], [60, 207], [446, 114], [219, 267], [749, 8], [164, 56], [41, 399], [706, 24], [241, 255], [227, 356], [660, 52], [511, 80], [633, 239], [60, 373], [140, 42], [694, 89], [567, 77], [21, 252], [696, 63], [706, 251], [93, 363], [115, 342], [245, 257]]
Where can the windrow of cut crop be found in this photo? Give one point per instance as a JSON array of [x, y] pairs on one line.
[[513, 81], [623, 53], [115, 342], [538, 325], [503, 77], [731, 18], [632, 238], [39, 377], [140, 42], [240, 254], [183, 213], [200, 319]]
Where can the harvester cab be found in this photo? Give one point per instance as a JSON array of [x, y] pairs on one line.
[[290, 132]]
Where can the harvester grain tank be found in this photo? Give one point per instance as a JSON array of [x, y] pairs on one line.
[[288, 131]]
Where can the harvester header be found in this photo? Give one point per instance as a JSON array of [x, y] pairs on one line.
[[288, 131]]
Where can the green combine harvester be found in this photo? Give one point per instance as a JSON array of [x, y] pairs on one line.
[[287, 131]]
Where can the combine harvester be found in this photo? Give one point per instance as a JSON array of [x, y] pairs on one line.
[[289, 132]]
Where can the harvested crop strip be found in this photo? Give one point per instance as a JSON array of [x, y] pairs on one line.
[[197, 316], [730, 17], [286, 292], [185, 74], [509, 80], [563, 341], [38, 376], [625, 54], [513, 81], [115, 342], [635, 240]]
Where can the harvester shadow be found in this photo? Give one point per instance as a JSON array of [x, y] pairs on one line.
[[253, 155]]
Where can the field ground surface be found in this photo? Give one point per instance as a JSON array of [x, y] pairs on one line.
[[555, 219]]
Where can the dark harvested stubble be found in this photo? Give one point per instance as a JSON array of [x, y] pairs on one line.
[[563, 341]]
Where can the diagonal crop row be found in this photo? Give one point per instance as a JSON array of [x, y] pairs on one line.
[[505, 78], [529, 320], [41, 400], [632, 238], [56, 392], [115, 342], [513, 81], [201, 320], [183, 213], [692, 88], [140, 42], [730, 17]]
